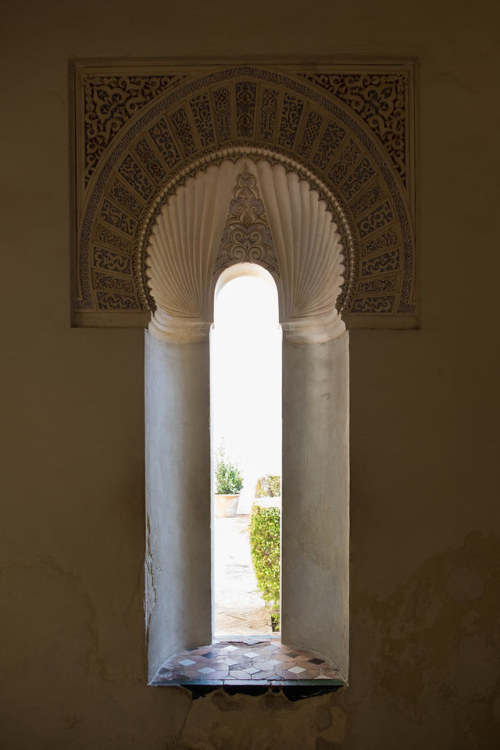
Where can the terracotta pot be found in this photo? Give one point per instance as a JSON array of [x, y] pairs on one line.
[[226, 506]]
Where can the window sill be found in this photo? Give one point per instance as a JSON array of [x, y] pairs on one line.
[[250, 665]]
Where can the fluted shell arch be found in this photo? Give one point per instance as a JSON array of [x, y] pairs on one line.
[[141, 134], [280, 221]]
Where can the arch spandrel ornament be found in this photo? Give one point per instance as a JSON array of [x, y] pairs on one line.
[[143, 130]]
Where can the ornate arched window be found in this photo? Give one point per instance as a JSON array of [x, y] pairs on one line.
[[182, 172]]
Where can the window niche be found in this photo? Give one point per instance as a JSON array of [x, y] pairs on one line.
[[291, 232], [169, 159]]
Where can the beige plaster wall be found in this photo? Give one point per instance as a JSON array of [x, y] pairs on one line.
[[425, 519]]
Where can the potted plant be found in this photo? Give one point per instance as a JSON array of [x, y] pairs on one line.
[[228, 484]]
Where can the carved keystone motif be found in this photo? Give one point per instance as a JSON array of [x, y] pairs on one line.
[[247, 237]]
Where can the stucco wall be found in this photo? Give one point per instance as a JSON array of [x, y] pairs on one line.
[[424, 411]]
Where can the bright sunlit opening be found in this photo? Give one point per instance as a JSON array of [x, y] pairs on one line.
[[246, 378], [246, 423]]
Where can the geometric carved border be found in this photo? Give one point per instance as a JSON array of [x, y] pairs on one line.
[[142, 128]]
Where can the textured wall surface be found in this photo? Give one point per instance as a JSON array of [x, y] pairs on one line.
[[425, 552]]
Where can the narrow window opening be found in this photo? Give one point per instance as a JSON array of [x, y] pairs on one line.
[[246, 437]]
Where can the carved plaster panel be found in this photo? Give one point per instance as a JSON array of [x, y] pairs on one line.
[[143, 129], [246, 237]]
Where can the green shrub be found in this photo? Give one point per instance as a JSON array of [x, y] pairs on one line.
[[265, 549], [268, 486], [228, 479]]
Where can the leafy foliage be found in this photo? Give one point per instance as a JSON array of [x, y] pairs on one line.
[[268, 486], [228, 479], [265, 549]]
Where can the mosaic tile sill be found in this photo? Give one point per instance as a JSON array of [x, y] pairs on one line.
[[258, 663]]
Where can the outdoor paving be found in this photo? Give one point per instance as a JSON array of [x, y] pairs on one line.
[[239, 608]]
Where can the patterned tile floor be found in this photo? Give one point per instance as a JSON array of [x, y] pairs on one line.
[[256, 660]]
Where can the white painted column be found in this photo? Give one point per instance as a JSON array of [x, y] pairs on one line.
[[178, 497], [315, 522]]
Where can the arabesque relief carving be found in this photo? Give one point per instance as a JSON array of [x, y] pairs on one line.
[[246, 237], [143, 129], [380, 100], [110, 102]]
